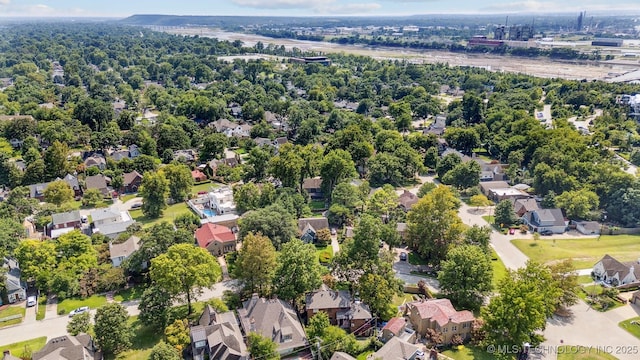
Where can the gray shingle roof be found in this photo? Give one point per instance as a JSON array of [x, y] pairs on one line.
[[316, 223], [66, 217]]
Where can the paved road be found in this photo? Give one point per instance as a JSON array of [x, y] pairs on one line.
[[57, 325]]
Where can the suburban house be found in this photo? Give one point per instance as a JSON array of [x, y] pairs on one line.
[[274, 319], [616, 273], [341, 309], [545, 219], [74, 184], [522, 206], [231, 129], [97, 160], [339, 355], [235, 110], [487, 186], [217, 239], [217, 336], [313, 186], [131, 182], [119, 154], [79, 347], [437, 126], [212, 165], [401, 229], [396, 349], [62, 223], [407, 199], [441, 316], [121, 251], [99, 182], [198, 176], [111, 222], [309, 227], [36, 191], [185, 155], [16, 288], [587, 227], [397, 327]]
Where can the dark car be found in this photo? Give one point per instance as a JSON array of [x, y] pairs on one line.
[[546, 232], [136, 206], [403, 256]]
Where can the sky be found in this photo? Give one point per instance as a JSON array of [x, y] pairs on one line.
[[123, 8]]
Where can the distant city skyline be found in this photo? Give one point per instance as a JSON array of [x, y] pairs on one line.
[[121, 8]]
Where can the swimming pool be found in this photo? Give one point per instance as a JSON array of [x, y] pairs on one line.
[[209, 212]]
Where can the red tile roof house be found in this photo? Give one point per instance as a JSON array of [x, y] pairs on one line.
[[395, 327], [441, 316], [217, 239], [198, 176]]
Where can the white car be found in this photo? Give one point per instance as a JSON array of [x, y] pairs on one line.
[[31, 301], [79, 310]]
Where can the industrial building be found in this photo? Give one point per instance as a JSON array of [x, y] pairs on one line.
[[607, 42]]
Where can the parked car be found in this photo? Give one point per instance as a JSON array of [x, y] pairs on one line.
[[136, 206], [79, 310], [333, 231], [403, 256], [546, 232], [512, 231], [31, 301]]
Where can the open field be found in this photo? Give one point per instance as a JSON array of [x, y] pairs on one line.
[[584, 252], [541, 67], [93, 302]]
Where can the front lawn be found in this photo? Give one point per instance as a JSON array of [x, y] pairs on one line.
[[401, 300], [499, 270], [144, 339], [125, 198], [206, 186], [42, 308], [128, 294], [93, 302], [12, 311], [584, 252], [31, 346], [468, 353], [582, 353], [170, 213], [632, 326], [317, 205]]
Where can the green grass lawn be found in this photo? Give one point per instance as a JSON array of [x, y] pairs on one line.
[[582, 353], [125, 198], [11, 311], [584, 279], [203, 187], [317, 205], [327, 250], [633, 329], [129, 294], [364, 355], [144, 339], [489, 218], [499, 270], [415, 259], [468, 353], [170, 213], [93, 302], [404, 298], [18, 349], [584, 252], [42, 307]]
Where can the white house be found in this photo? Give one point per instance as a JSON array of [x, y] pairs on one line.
[[545, 219], [120, 252], [111, 222], [221, 199], [616, 273]]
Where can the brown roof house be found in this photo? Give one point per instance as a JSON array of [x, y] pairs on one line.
[[121, 251], [217, 336], [521, 206], [309, 227], [396, 349], [313, 186], [131, 182], [341, 309], [407, 199], [218, 239], [396, 328], [198, 176], [441, 316], [616, 273], [274, 319], [99, 182], [79, 347]]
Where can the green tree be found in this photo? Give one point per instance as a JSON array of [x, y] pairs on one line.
[[426, 188], [256, 263], [287, 165], [112, 330], [463, 175], [258, 161], [37, 260], [366, 241], [55, 159], [154, 307], [377, 292], [180, 181], [164, 351], [75, 252], [92, 197], [335, 167], [504, 213], [273, 221], [434, 225], [153, 190], [479, 200], [578, 204], [566, 279], [246, 196], [479, 236], [187, 221], [184, 270], [213, 146], [177, 334], [466, 275], [10, 233], [79, 324], [446, 164], [317, 325], [464, 140], [261, 347], [298, 270], [58, 192], [383, 202]]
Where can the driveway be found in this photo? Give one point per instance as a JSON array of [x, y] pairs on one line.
[[403, 272], [57, 325]]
